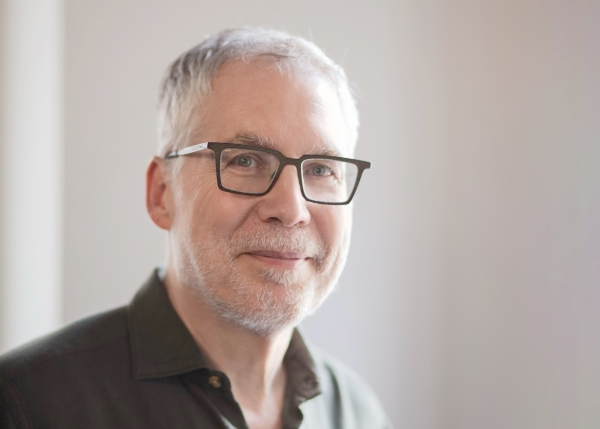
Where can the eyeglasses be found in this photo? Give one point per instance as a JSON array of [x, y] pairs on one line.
[[250, 170]]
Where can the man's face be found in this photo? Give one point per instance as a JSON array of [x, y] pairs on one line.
[[266, 262]]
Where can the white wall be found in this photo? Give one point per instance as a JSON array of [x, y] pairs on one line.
[[520, 215], [31, 161], [471, 294]]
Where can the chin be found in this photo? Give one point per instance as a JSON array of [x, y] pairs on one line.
[[288, 278], [275, 302]]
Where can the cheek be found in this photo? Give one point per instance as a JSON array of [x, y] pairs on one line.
[[193, 194], [334, 225], [210, 213], [228, 212]]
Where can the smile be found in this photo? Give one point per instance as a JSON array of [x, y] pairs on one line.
[[286, 260]]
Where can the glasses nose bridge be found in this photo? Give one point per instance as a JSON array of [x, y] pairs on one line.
[[285, 162]]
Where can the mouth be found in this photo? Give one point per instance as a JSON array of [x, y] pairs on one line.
[[286, 260]]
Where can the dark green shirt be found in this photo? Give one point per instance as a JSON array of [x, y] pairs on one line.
[[139, 367]]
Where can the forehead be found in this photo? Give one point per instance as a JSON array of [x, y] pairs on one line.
[[291, 112]]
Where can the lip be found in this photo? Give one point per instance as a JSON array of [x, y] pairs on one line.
[[278, 259]]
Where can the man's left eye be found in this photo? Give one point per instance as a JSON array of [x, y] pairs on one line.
[[319, 170]]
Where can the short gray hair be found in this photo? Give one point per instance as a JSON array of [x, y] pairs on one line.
[[188, 80]]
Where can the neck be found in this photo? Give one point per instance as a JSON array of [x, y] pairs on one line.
[[253, 363]]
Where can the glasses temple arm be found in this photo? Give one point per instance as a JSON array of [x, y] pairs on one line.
[[187, 150]]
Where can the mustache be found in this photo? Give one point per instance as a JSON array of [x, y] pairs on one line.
[[273, 237]]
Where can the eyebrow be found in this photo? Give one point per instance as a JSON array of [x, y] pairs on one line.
[[253, 139], [325, 150]]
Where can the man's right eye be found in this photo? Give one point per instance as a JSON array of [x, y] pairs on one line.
[[244, 161]]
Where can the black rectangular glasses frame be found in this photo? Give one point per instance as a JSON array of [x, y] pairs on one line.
[[217, 148]]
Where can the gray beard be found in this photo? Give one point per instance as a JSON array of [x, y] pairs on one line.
[[251, 305]]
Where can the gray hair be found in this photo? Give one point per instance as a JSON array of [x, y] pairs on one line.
[[188, 80]]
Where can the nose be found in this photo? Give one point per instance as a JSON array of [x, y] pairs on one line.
[[285, 203]]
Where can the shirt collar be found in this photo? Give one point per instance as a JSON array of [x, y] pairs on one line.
[[301, 369], [162, 346]]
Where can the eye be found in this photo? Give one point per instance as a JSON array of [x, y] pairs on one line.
[[246, 161], [318, 170], [321, 170]]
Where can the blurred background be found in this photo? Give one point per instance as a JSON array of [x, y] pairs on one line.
[[472, 293]]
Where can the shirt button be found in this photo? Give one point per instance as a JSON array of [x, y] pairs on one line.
[[214, 381], [311, 383]]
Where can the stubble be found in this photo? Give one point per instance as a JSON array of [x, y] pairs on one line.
[[272, 299]]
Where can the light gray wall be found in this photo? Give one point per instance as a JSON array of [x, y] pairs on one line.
[[3, 291], [31, 181], [520, 231]]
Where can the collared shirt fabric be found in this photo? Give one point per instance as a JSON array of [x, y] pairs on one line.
[[139, 367]]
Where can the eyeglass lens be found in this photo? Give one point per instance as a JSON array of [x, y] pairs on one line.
[[250, 171]]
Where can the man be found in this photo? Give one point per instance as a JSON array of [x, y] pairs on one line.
[[252, 184]]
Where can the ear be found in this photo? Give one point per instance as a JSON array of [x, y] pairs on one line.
[[158, 194]]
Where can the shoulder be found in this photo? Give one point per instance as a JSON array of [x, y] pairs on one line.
[[65, 345], [52, 372], [340, 384]]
